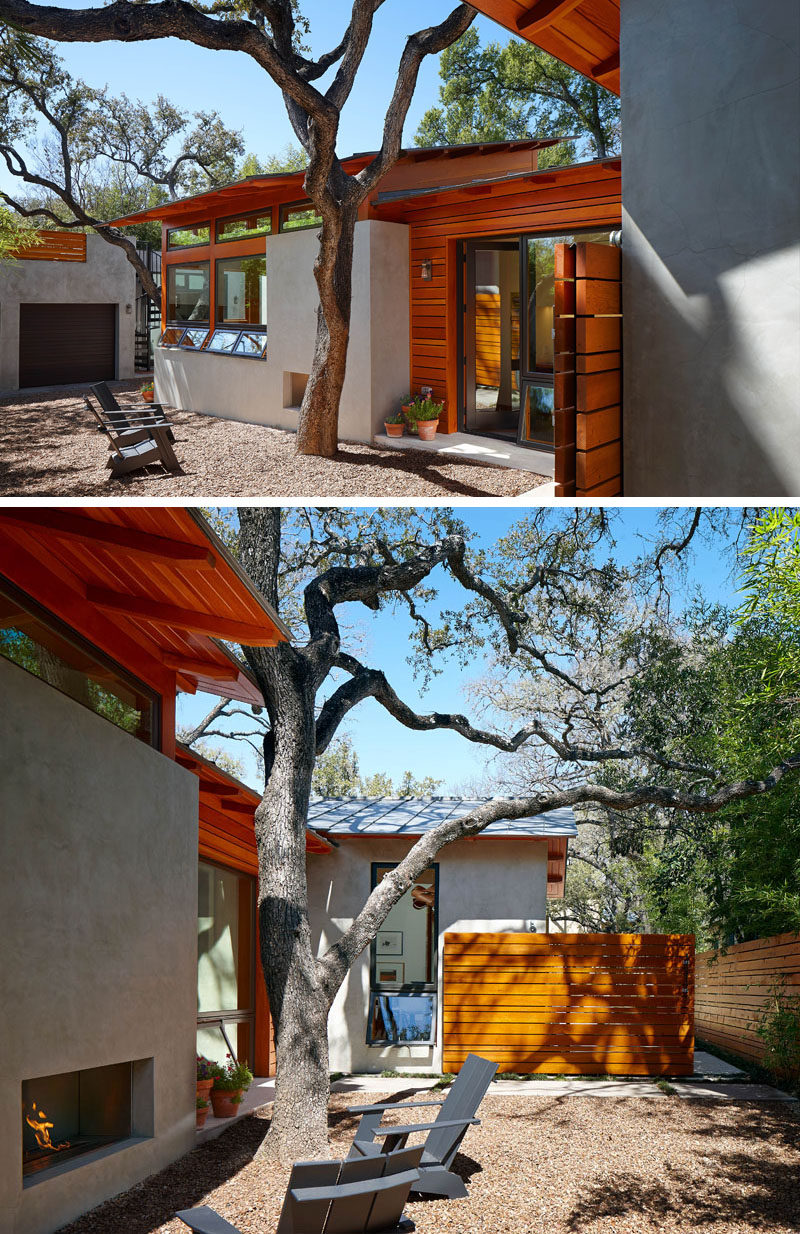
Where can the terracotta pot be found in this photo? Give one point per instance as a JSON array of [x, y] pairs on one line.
[[147, 395], [427, 429], [223, 1103], [394, 430], [202, 1115], [204, 1087]]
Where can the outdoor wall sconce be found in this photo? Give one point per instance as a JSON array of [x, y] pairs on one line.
[[427, 268]]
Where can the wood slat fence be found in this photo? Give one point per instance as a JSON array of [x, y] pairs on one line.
[[733, 990], [581, 1004], [56, 246]]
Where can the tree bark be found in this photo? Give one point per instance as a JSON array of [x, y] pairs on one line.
[[318, 428]]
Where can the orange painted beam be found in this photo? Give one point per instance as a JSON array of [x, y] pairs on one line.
[[181, 618], [202, 668], [543, 14], [70, 526]]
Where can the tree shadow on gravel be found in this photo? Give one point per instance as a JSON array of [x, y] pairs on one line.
[[183, 1184], [421, 467], [740, 1191]]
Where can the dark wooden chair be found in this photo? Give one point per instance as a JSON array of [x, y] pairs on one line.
[[335, 1197], [121, 414], [456, 1115], [144, 442]]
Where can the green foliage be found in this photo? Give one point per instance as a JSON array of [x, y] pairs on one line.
[[231, 1076], [419, 408], [337, 774], [15, 233], [517, 92], [779, 1029]]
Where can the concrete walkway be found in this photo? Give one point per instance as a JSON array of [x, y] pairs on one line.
[[704, 1085], [490, 450]]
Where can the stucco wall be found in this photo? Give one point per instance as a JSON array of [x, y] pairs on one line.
[[98, 917], [711, 264], [237, 388], [488, 884], [106, 277]]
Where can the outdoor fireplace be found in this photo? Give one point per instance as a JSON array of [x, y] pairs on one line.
[[75, 1112]]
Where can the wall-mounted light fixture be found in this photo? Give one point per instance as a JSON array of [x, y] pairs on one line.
[[427, 268]]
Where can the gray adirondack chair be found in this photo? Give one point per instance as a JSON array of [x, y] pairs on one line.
[[456, 1115], [145, 442], [335, 1197], [124, 416]]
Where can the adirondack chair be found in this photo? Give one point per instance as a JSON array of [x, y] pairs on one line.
[[122, 416], [135, 447], [335, 1197], [456, 1115]]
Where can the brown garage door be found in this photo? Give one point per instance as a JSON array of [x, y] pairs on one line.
[[64, 343]]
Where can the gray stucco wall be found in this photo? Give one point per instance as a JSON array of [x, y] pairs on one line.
[[106, 277], [711, 263], [237, 388], [488, 884], [98, 917]]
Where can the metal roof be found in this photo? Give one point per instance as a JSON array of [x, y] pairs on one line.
[[546, 175], [413, 816]]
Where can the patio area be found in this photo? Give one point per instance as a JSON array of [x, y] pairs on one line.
[[49, 447], [537, 1163]]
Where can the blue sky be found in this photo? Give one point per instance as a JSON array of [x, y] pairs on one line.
[[231, 83], [384, 745]]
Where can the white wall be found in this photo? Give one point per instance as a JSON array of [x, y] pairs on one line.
[[98, 917], [487, 884], [106, 277], [238, 388]]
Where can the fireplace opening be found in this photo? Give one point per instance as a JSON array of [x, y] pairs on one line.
[[75, 1112]]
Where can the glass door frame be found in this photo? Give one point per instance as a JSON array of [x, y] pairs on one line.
[[465, 336], [242, 1015]]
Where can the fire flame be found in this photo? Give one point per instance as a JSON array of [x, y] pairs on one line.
[[38, 1121]]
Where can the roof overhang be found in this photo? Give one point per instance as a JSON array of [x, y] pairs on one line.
[[160, 575], [230, 797], [583, 34]]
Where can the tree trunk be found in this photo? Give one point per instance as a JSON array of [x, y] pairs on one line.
[[298, 1004], [318, 429]]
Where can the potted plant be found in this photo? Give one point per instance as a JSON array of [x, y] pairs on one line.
[[202, 1111], [422, 417], [147, 391], [231, 1082], [206, 1070], [395, 426]]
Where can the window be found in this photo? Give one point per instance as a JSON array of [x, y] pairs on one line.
[[171, 337], [189, 237], [299, 215], [223, 340], [539, 271], [251, 343], [188, 295], [194, 337], [242, 291], [41, 644], [537, 422], [225, 963], [246, 227], [403, 964]]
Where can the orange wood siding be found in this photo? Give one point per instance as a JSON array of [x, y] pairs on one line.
[[619, 1004], [733, 989], [584, 196], [55, 246], [588, 365]]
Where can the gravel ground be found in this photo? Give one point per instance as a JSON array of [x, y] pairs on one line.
[[50, 447], [536, 1165]]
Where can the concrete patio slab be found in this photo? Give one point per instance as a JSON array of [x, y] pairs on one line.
[[706, 1064], [488, 450], [722, 1091]]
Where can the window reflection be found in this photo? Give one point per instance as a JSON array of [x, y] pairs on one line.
[[241, 291], [188, 296]]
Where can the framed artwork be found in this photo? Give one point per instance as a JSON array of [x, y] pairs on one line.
[[392, 972], [389, 942]]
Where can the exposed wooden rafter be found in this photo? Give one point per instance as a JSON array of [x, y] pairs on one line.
[[542, 14], [606, 67], [201, 668], [68, 526], [182, 619]]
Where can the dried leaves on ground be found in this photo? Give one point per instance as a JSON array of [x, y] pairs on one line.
[[535, 1165], [50, 447]]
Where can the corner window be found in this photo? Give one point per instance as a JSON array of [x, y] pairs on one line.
[[189, 237], [299, 215], [39, 642], [246, 227], [242, 291], [188, 295]]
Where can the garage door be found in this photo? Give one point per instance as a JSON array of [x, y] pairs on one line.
[[64, 343]]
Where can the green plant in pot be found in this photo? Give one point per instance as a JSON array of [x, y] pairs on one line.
[[147, 391], [206, 1071], [202, 1108], [422, 417], [395, 425], [231, 1082]]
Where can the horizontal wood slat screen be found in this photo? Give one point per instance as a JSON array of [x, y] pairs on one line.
[[588, 364], [55, 246], [732, 990], [579, 1004]]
